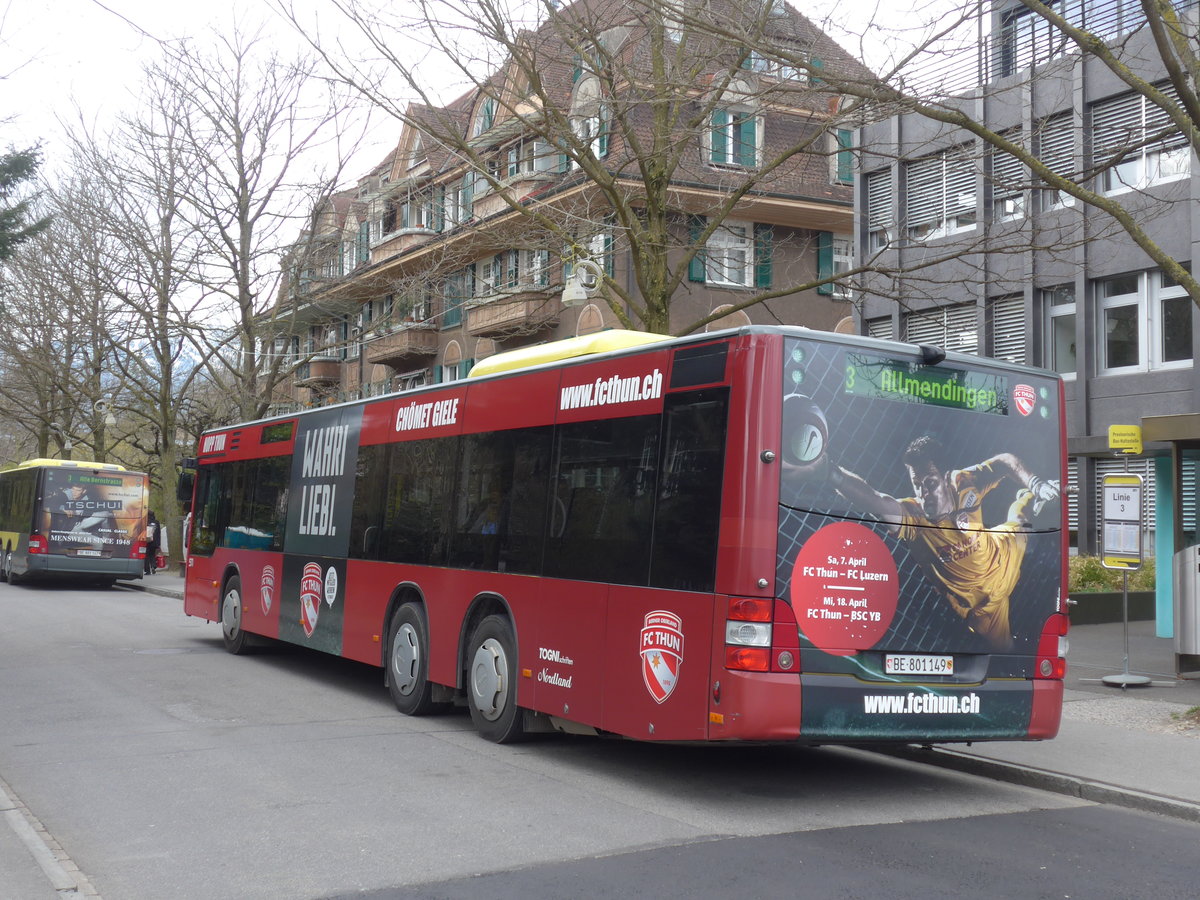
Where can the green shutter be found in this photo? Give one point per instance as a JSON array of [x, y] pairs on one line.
[[764, 238], [845, 157], [817, 65], [747, 140], [719, 136], [464, 367], [608, 252], [603, 125], [696, 266], [467, 184], [437, 374], [825, 260]]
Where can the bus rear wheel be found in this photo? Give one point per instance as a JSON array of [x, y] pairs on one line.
[[492, 681], [236, 640], [408, 662], [9, 575]]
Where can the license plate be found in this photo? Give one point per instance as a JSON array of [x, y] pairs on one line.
[[87, 552], [916, 664]]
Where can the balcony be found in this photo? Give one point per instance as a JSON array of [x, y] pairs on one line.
[[400, 348], [319, 371], [525, 311]]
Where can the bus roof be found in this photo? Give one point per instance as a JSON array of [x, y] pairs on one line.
[[584, 345], [69, 463]]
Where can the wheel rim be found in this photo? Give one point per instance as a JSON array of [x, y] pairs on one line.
[[406, 658], [231, 615], [489, 679]]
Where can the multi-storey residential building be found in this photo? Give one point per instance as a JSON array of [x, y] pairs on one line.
[[1002, 265], [459, 244]]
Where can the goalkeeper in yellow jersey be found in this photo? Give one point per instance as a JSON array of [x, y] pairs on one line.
[[942, 524]]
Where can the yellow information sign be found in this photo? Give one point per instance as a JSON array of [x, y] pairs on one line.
[[1125, 438]]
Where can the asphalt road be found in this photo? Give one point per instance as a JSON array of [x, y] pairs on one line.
[[165, 767]]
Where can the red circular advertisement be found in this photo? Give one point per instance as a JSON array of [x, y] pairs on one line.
[[844, 588]]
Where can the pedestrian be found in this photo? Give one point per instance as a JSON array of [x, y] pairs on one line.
[[153, 542]]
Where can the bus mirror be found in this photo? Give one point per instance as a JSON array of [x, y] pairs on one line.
[[183, 491]]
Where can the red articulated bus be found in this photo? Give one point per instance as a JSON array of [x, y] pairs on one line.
[[767, 534]]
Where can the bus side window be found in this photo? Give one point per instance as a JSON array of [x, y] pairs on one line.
[[603, 501], [688, 512]]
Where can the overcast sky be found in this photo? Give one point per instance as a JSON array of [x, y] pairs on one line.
[[56, 55]]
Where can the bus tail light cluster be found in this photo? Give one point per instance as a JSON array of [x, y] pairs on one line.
[[37, 545], [761, 636], [138, 550], [1052, 648]]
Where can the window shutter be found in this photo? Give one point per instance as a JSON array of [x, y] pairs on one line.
[[923, 194], [764, 238], [696, 265], [825, 260], [747, 141], [1116, 125], [719, 136], [464, 367], [1007, 323], [437, 374], [1056, 143], [818, 65], [960, 181], [468, 194], [880, 328], [1157, 120], [845, 156], [602, 138], [1008, 174], [879, 200]]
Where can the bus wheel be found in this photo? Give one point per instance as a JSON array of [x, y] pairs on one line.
[[408, 661], [6, 565], [231, 617], [492, 681], [9, 575]]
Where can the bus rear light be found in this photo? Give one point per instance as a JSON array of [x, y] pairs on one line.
[[748, 659], [1052, 648], [751, 609], [748, 634], [139, 550], [37, 545]]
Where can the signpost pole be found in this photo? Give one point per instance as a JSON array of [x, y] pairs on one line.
[[1122, 548]]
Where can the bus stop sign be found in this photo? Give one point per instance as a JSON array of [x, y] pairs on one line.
[[1121, 515]]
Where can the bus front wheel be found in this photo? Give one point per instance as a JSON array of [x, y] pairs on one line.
[[492, 681], [235, 638], [408, 662]]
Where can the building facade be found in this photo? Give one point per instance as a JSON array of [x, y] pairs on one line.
[[460, 243], [1000, 263]]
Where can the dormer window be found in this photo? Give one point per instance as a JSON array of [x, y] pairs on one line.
[[485, 117]]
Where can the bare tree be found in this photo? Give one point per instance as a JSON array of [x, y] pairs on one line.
[[256, 133], [964, 61], [648, 115]]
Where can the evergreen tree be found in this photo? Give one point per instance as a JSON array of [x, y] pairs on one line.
[[16, 168]]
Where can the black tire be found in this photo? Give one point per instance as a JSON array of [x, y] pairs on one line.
[[408, 662], [236, 640], [5, 565], [492, 681], [9, 575]]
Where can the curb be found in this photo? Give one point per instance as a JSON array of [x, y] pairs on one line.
[[146, 589], [1048, 780]]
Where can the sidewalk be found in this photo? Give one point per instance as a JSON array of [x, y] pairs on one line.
[[1137, 747]]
